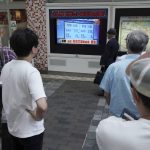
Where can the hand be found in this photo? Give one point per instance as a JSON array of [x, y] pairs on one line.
[[39, 112], [35, 114], [32, 113]]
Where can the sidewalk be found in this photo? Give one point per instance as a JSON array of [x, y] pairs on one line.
[[74, 112], [100, 112]]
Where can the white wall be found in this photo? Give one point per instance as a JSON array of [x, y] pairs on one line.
[[74, 63]]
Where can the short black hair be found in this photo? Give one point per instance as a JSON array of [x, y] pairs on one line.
[[112, 31], [22, 41]]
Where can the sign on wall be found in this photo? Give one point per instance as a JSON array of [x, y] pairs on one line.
[[13, 26]]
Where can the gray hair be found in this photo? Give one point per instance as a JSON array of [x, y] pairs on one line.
[[136, 41]]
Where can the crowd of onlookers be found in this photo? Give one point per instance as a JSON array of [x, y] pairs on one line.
[[126, 87]]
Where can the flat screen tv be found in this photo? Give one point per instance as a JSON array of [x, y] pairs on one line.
[[129, 19], [130, 23], [78, 31]]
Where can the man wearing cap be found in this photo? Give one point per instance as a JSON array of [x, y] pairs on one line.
[[116, 133], [115, 82], [112, 47], [110, 54]]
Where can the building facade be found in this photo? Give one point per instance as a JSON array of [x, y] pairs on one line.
[[124, 15]]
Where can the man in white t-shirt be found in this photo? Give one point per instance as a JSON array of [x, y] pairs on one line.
[[118, 134], [23, 96]]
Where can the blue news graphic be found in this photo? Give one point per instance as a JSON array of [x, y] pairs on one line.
[[78, 31]]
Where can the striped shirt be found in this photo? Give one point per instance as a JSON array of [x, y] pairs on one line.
[[8, 54]]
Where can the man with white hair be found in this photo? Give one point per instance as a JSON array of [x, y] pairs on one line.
[[116, 133], [115, 82]]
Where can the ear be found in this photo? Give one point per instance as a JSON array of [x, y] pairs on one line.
[[34, 50], [135, 95]]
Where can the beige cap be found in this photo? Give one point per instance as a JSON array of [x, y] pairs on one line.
[[144, 55], [140, 75]]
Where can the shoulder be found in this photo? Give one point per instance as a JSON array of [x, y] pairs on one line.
[[114, 43], [111, 121], [112, 40], [118, 67], [121, 57], [8, 64], [105, 126], [31, 69], [116, 123], [111, 132], [21, 66], [112, 66]]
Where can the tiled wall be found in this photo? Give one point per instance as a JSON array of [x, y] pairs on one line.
[[36, 20]]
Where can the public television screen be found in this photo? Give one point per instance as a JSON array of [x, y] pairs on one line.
[[130, 23], [78, 31], [129, 19]]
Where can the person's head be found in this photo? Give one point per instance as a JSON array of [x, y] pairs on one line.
[[24, 42], [140, 81], [136, 41], [111, 33]]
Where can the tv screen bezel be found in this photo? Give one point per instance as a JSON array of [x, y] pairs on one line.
[[78, 48]]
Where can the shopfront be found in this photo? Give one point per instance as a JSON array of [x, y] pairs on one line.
[[12, 15]]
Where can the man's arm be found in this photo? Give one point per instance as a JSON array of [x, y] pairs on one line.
[[107, 97], [107, 53], [104, 58], [39, 112]]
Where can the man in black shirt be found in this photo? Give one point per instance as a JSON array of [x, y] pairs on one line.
[[111, 50], [110, 54]]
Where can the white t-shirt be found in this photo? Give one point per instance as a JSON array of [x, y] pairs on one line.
[[117, 134], [22, 86]]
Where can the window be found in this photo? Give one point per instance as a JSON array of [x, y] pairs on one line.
[[4, 30]]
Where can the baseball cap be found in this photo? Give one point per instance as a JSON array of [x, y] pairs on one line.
[[140, 76], [111, 31], [144, 55]]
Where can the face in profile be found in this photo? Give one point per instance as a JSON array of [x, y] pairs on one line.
[[109, 36]]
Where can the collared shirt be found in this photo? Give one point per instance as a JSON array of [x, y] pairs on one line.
[[8, 55], [116, 83]]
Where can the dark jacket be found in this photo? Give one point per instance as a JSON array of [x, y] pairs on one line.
[[110, 53]]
